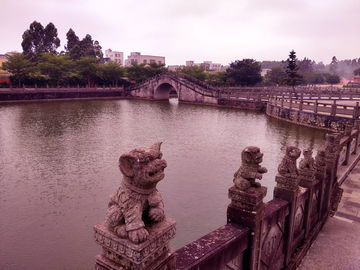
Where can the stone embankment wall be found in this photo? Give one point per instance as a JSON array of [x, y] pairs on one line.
[[27, 94], [328, 113], [243, 104], [309, 119]]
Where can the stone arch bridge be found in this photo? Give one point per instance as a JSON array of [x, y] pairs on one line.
[[187, 88]]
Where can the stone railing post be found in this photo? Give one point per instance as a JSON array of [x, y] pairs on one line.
[[307, 172], [316, 106], [287, 188], [247, 207], [357, 127], [282, 101], [290, 101], [136, 232], [348, 130], [320, 174], [301, 101], [333, 108], [332, 148], [356, 111]]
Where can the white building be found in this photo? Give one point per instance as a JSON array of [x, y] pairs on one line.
[[175, 67], [208, 65], [114, 56], [136, 57]]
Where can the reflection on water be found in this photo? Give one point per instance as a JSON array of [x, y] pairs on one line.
[[58, 166]]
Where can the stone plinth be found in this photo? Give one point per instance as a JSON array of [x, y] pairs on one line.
[[245, 200], [121, 254], [287, 183], [247, 209], [306, 177]]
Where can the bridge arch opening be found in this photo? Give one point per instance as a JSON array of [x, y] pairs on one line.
[[164, 90]]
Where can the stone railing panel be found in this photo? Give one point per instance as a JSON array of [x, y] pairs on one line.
[[273, 237], [225, 245]]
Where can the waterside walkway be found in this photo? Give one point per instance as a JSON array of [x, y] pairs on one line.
[[338, 243]]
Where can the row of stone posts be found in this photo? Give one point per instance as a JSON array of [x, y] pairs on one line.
[[136, 233]]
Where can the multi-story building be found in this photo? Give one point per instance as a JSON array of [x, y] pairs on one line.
[[2, 60], [136, 57], [117, 57], [175, 67], [208, 65], [4, 76]]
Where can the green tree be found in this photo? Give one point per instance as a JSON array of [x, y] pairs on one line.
[[18, 65], [153, 69], [72, 40], [315, 78], [291, 71], [88, 68], [219, 78], [357, 72], [86, 47], [38, 39], [332, 79], [246, 72], [198, 72], [112, 71], [72, 46], [141, 72], [333, 65], [306, 66], [275, 76], [91, 48], [56, 67]]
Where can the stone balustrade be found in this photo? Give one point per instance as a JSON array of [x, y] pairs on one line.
[[257, 235]]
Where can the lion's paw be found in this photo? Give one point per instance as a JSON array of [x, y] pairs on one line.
[[138, 236]]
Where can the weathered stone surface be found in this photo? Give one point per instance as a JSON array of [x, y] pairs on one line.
[[245, 200], [210, 252], [136, 233], [137, 200], [320, 163], [119, 252], [314, 120], [287, 167], [332, 146], [307, 168], [250, 170]]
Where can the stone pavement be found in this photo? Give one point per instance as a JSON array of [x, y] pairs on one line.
[[338, 243]]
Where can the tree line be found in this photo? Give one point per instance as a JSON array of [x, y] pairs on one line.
[[82, 63]]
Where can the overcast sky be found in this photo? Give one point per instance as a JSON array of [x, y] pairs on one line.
[[221, 31]]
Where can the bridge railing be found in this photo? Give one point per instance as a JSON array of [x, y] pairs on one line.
[[35, 88], [268, 236], [330, 105], [276, 235]]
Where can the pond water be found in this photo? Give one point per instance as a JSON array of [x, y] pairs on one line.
[[58, 166]]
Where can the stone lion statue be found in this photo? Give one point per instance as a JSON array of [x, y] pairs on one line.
[[307, 163], [320, 159], [250, 170], [287, 167], [137, 202]]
